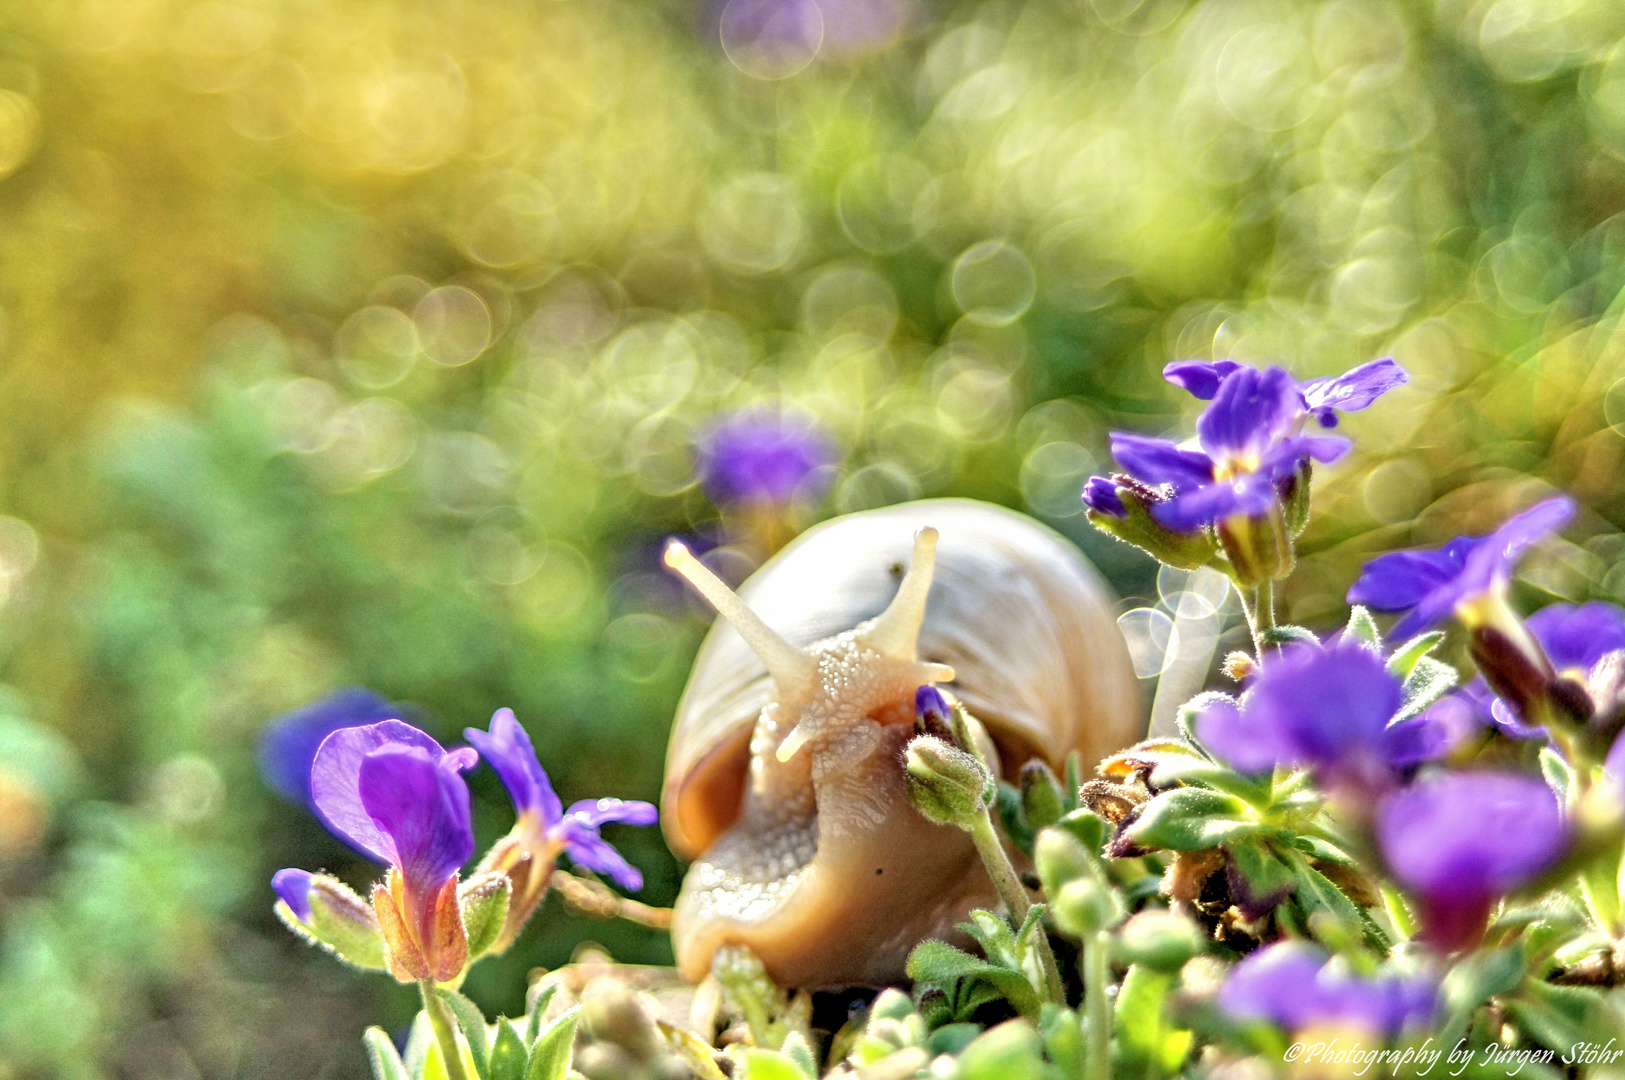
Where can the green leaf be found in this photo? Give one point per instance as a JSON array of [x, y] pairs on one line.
[[1088, 827], [1562, 1017], [1404, 660], [1040, 795], [1063, 1038], [798, 1050], [550, 1054], [1363, 628], [1074, 780], [942, 965], [538, 1008], [381, 1054], [993, 933], [485, 909], [1013, 1049], [472, 1024], [1013, 817], [695, 1052], [771, 1065], [1146, 1038], [1557, 772], [508, 1057], [1288, 634], [1428, 681], [1199, 772], [1264, 879], [1317, 892], [952, 1038], [1482, 975], [1191, 819], [418, 1042]]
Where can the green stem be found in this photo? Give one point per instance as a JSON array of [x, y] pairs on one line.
[[444, 1026], [1097, 1015], [1014, 896], [1258, 605]]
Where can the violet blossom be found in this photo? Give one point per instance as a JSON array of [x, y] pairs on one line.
[[545, 829], [1295, 985], [1327, 708], [1434, 584], [1323, 398], [1461, 841], [760, 456], [393, 793]]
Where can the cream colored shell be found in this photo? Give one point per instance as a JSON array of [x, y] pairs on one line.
[[1027, 626]]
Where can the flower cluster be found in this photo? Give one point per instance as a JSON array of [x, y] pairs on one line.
[[397, 796]]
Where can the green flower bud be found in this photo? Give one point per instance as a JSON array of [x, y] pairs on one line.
[[1040, 794], [1085, 906], [485, 909], [1159, 940], [1186, 551], [339, 921], [1060, 858], [945, 783]]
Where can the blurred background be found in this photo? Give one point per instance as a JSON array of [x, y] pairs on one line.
[[359, 342]]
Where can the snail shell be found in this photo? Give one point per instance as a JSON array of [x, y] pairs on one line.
[[784, 778]]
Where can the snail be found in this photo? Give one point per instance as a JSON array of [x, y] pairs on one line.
[[784, 778]]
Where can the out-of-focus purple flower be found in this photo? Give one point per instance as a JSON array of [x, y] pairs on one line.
[[1576, 637], [1439, 729], [800, 29], [549, 828], [1614, 763], [758, 456], [1326, 708], [1294, 985], [1461, 841], [1323, 398], [292, 887], [397, 796], [1251, 441], [929, 704], [1100, 495], [288, 744], [1433, 584]]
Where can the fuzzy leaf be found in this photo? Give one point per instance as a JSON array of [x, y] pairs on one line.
[[952, 1038], [538, 1008], [1088, 828], [1200, 772], [1010, 1050], [1191, 819], [1428, 681], [1317, 892], [992, 932], [550, 1055], [694, 1051], [1013, 817], [1258, 879], [942, 965], [472, 1024], [1562, 1017], [1482, 975], [1558, 773], [1146, 1038], [1288, 634], [771, 1065], [381, 1055], [508, 1057], [798, 1050], [485, 909], [1403, 662], [418, 1042], [1063, 1038], [1362, 628]]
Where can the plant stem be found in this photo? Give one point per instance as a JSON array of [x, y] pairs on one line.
[[1097, 1062], [444, 1027], [1258, 605], [1015, 898]]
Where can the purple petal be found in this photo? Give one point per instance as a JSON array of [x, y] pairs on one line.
[[288, 744], [1251, 411], [1614, 763], [929, 702], [1432, 735], [1400, 580], [421, 804], [1577, 637], [1354, 390], [1329, 707], [1462, 838], [292, 887], [335, 781], [1100, 495], [1239, 739], [1324, 448], [1279, 983], [1198, 377], [596, 812], [1158, 461], [508, 748], [1251, 494], [588, 849], [1493, 559]]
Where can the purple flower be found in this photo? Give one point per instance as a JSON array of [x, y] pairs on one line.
[[1461, 841], [1323, 398], [1576, 637], [292, 887], [1435, 583], [394, 794], [930, 705], [1100, 495], [1294, 985], [1327, 708], [549, 829], [757, 456], [1251, 441], [288, 744]]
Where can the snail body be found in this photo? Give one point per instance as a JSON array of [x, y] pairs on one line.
[[784, 777]]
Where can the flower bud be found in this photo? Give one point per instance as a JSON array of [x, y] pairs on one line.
[[1238, 666], [1159, 940], [1086, 906], [1258, 548], [1060, 858], [325, 912], [1135, 525], [946, 784], [485, 902], [1295, 498], [1041, 794]]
